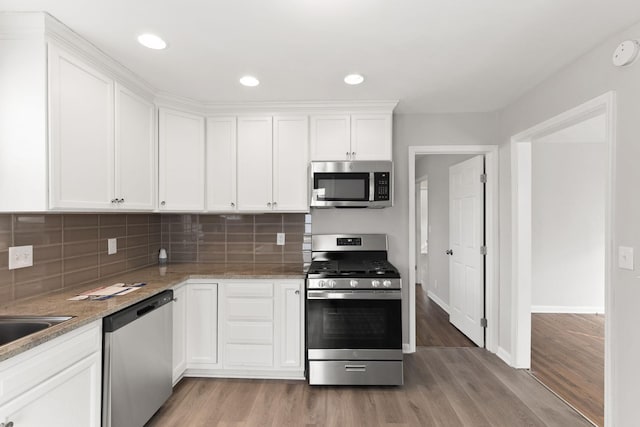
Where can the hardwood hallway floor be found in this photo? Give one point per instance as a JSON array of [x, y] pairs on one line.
[[443, 387], [432, 325], [567, 355]]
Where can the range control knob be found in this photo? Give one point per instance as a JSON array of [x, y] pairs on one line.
[[321, 284], [386, 283], [353, 283], [332, 283], [375, 283]]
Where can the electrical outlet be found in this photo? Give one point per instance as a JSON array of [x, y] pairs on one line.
[[112, 246], [280, 239], [20, 257], [625, 257]]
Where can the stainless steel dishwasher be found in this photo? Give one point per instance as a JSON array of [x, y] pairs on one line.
[[136, 369]]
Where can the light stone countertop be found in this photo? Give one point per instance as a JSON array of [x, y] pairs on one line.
[[156, 278]]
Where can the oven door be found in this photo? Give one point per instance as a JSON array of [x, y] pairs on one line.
[[354, 325]]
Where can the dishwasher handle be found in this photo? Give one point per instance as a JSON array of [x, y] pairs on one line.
[[123, 317]]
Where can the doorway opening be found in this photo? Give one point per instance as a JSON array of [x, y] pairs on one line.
[[490, 155], [549, 246], [434, 324]]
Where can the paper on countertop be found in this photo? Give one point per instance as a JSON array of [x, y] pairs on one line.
[[107, 291]]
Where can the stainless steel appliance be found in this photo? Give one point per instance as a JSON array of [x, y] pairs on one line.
[[354, 312], [136, 366], [361, 184]]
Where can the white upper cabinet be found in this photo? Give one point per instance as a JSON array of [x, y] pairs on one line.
[[351, 137], [331, 137], [135, 152], [290, 163], [181, 171], [81, 134], [371, 137], [254, 163], [221, 164]]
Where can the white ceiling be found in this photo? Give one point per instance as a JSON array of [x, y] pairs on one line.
[[432, 55]]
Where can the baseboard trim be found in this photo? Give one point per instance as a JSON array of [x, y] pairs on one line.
[[435, 298], [504, 355], [566, 309]]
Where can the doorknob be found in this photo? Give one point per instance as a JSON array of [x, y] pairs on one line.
[[449, 252]]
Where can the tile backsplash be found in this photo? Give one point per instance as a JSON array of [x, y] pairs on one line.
[[233, 239], [71, 249]]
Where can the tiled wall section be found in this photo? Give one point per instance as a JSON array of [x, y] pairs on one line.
[[71, 249], [236, 238]]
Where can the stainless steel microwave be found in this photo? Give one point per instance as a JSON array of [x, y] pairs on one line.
[[359, 184]]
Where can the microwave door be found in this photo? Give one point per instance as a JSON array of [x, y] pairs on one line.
[[342, 187]]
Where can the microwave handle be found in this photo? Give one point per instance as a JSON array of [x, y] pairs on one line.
[[372, 186]]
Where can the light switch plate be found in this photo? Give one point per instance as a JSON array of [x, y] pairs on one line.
[[20, 257], [112, 246], [280, 239], [625, 257]]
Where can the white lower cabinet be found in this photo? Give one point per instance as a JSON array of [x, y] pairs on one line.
[[179, 331], [240, 328], [55, 384]]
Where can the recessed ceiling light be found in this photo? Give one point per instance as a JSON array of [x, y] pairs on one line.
[[249, 81], [151, 41], [354, 79]]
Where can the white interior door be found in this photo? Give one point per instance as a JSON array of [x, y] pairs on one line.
[[466, 238]]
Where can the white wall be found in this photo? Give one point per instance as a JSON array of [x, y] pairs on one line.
[[590, 76], [436, 167], [568, 225], [409, 129]]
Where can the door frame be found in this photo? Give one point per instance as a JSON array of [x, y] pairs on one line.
[[491, 296], [521, 232]]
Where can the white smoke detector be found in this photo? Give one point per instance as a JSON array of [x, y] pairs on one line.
[[626, 53]]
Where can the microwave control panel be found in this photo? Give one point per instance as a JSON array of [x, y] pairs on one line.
[[382, 186]]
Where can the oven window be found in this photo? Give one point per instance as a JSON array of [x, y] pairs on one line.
[[354, 324], [341, 186]]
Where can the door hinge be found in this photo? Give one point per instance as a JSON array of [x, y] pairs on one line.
[[483, 322], [483, 250], [483, 178]]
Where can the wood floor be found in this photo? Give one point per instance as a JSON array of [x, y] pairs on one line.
[[567, 355], [443, 387], [432, 325]]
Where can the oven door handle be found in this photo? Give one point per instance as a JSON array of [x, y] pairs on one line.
[[354, 295]]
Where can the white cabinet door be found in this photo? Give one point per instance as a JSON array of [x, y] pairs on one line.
[[182, 146], [221, 164], [135, 153], [179, 332], [255, 163], [70, 398], [81, 134], [202, 325], [290, 325], [371, 137], [331, 137], [290, 163]]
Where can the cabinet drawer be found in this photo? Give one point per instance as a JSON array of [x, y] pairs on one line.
[[249, 290], [249, 355], [249, 309], [250, 332]]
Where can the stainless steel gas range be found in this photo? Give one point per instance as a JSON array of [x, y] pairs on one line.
[[354, 312]]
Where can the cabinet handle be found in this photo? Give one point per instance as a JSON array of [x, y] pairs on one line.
[[112, 201], [353, 155], [162, 203], [275, 204], [121, 200], [348, 158], [268, 204], [233, 205], [297, 292], [8, 424]]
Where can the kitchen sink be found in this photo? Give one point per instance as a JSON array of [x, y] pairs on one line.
[[15, 327]]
